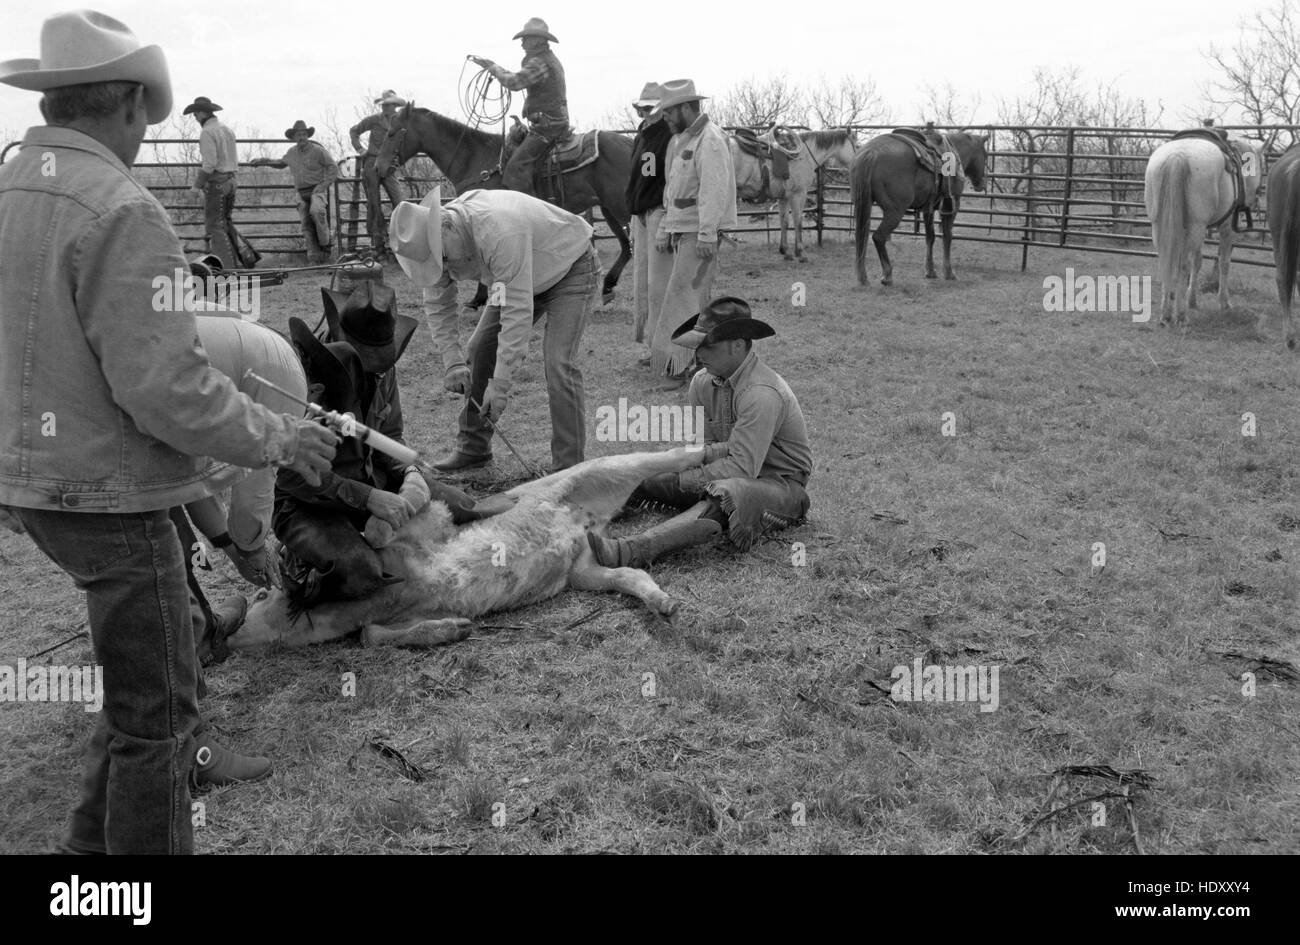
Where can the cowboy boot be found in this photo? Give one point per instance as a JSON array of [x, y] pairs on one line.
[[226, 619], [682, 531], [217, 766]]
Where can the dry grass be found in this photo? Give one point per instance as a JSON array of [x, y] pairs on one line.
[[1072, 429]]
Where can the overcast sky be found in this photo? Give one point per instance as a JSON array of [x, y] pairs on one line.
[[269, 62]]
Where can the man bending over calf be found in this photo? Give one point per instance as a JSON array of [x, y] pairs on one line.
[[757, 458]]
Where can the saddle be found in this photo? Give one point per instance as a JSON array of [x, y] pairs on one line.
[[926, 146], [773, 155], [1232, 164], [567, 153]]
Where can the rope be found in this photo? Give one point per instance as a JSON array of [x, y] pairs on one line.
[[481, 104]]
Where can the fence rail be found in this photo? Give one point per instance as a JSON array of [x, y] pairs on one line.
[[1047, 187]]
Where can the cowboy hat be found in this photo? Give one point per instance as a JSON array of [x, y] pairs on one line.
[[678, 92], [723, 319], [415, 237], [366, 318], [202, 104], [652, 94], [389, 97], [335, 366], [536, 27], [85, 46], [299, 125]]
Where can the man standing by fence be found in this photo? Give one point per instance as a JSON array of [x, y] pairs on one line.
[[313, 172], [377, 126], [216, 179], [699, 202]]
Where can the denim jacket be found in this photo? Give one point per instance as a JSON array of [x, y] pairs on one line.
[[107, 399]]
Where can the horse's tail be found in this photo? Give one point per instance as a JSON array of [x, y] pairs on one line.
[[862, 172], [1169, 228], [1286, 250]]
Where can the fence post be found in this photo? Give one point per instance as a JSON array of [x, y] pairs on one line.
[[1069, 186], [1031, 207]]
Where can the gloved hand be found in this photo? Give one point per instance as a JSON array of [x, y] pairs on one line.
[[456, 380], [377, 533], [415, 490], [705, 250], [255, 566], [393, 509], [495, 401], [663, 242]]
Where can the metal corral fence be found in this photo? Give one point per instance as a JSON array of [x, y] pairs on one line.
[[266, 206], [1052, 187], [1058, 187]]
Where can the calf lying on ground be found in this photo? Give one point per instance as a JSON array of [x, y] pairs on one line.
[[522, 556]]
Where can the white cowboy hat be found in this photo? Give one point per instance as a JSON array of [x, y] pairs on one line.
[[85, 46], [678, 92], [389, 97], [415, 237], [651, 95]]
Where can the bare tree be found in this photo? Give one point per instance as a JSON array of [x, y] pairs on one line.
[[848, 101], [756, 103], [1260, 74], [947, 105]]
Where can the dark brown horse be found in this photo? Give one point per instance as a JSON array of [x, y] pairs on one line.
[[472, 158], [886, 171], [1284, 226]]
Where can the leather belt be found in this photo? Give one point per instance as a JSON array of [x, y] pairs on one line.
[[681, 203]]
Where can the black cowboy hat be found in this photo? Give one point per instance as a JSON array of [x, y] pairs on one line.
[[336, 366], [300, 125], [723, 319], [367, 319], [202, 104]]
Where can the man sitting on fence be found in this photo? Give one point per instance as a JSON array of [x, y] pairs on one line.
[[377, 125], [313, 172]]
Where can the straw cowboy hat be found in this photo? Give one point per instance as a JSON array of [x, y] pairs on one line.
[[723, 319], [652, 94], [678, 92], [202, 104], [415, 237], [84, 46], [366, 318], [299, 125], [389, 97], [536, 27]]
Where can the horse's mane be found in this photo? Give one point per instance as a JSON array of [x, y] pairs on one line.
[[830, 138], [454, 127]]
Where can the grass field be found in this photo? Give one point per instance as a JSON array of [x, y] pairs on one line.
[[972, 549]]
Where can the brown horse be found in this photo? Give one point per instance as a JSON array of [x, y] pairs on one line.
[[1284, 227], [472, 158], [886, 171]]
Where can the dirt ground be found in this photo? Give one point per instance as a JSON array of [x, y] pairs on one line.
[[545, 732]]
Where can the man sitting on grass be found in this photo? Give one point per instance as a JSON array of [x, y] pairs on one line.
[[757, 458]]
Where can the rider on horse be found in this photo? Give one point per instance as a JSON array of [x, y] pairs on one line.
[[545, 107]]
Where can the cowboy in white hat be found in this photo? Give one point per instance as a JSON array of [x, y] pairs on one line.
[[377, 126], [645, 200], [699, 202], [88, 344], [537, 260], [546, 106], [751, 480], [313, 172], [216, 179]]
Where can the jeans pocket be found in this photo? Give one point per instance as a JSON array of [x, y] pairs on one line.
[[109, 546]]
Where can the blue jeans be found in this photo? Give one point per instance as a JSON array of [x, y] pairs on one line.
[[135, 795], [567, 306]]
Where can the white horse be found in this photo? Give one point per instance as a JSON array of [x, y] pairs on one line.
[[1188, 191], [812, 150], [527, 554]]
